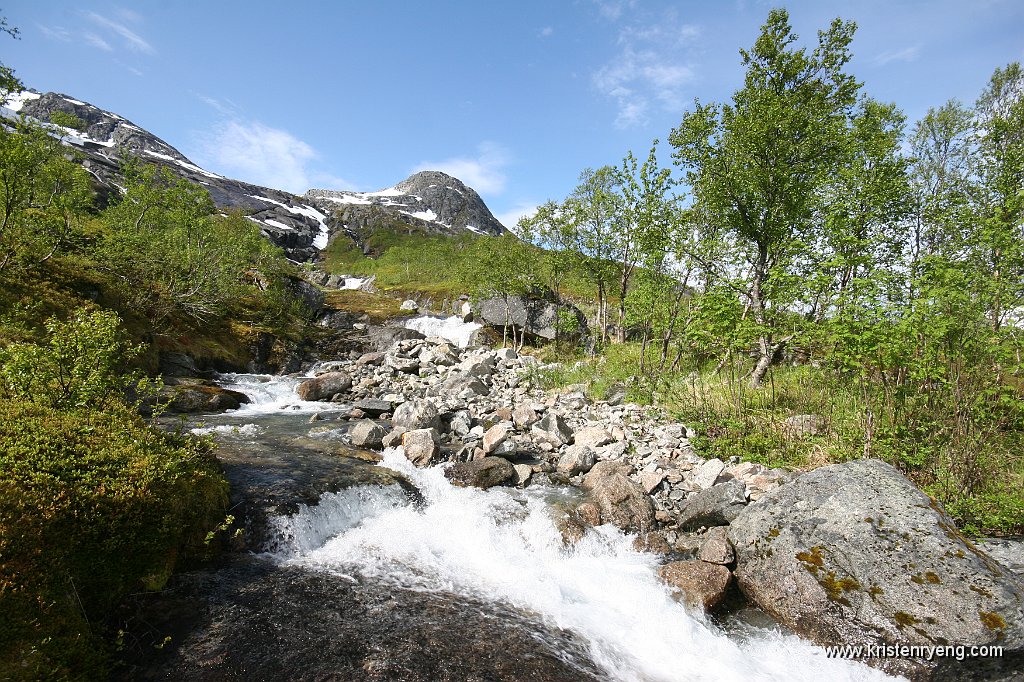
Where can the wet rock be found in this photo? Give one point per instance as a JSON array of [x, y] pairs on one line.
[[622, 502], [523, 474], [420, 446], [578, 459], [394, 437], [716, 548], [367, 433], [256, 620], [418, 413], [191, 398], [701, 584], [854, 554], [716, 506], [481, 473], [324, 386]]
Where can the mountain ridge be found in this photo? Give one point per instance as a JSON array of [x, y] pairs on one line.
[[303, 225]]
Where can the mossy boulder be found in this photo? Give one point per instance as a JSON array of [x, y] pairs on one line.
[[854, 554]]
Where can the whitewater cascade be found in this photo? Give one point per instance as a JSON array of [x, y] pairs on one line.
[[451, 328], [502, 545]]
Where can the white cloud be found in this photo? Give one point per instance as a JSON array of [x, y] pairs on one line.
[[613, 9], [652, 66], [511, 215], [129, 38], [546, 32], [484, 172], [96, 41], [55, 33], [907, 54], [271, 157]]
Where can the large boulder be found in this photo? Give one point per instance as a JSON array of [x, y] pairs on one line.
[[535, 317], [420, 446], [621, 501], [367, 433], [418, 413], [854, 554], [702, 584], [481, 473], [200, 398], [716, 506], [324, 386]]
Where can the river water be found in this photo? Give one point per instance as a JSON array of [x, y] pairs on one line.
[[502, 546]]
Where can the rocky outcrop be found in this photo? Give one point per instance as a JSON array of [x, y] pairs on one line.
[[538, 318], [854, 554], [429, 202], [481, 473], [196, 395], [621, 501]]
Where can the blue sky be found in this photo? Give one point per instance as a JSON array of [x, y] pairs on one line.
[[515, 98]]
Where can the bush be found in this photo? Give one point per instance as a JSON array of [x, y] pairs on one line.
[[93, 505]]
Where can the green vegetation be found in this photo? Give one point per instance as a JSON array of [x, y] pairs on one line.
[[814, 269], [95, 503]]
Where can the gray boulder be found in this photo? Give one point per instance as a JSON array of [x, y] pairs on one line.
[[481, 473], [418, 413], [420, 446], [621, 501], [367, 433], [552, 429], [324, 386], [716, 506], [854, 554], [577, 459], [535, 317]]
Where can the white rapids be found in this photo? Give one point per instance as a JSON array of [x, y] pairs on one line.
[[270, 393], [451, 328], [502, 545]]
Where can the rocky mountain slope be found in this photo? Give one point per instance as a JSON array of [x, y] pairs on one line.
[[429, 201]]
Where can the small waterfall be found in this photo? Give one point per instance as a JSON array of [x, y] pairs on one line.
[[271, 393], [451, 328], [502, 545]]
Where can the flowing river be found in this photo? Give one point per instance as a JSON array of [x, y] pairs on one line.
[[598, 606]]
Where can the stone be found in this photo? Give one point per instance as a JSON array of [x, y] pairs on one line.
[[853, 554], [716, 548], [373, 407], [716, 506], [496, 435], [523, 473], [409, 304], [420, 446], [401, 364], [394, 437], [577, 459], [324, 386], [367, 433], [371, 359], [708, 472], [523, 416], [650, 480], [481, 473], [552, 429], [621, 501], [535, 317], [593, 436], [418, 413], [702, 584]]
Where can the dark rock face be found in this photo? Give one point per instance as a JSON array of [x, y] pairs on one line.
[[429, 201], [854, 554], [287, 220], [536, 317], [199, 397], [255, 620]]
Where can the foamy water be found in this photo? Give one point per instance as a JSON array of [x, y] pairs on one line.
[[270, 393], [502, 545], [451, 328]]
